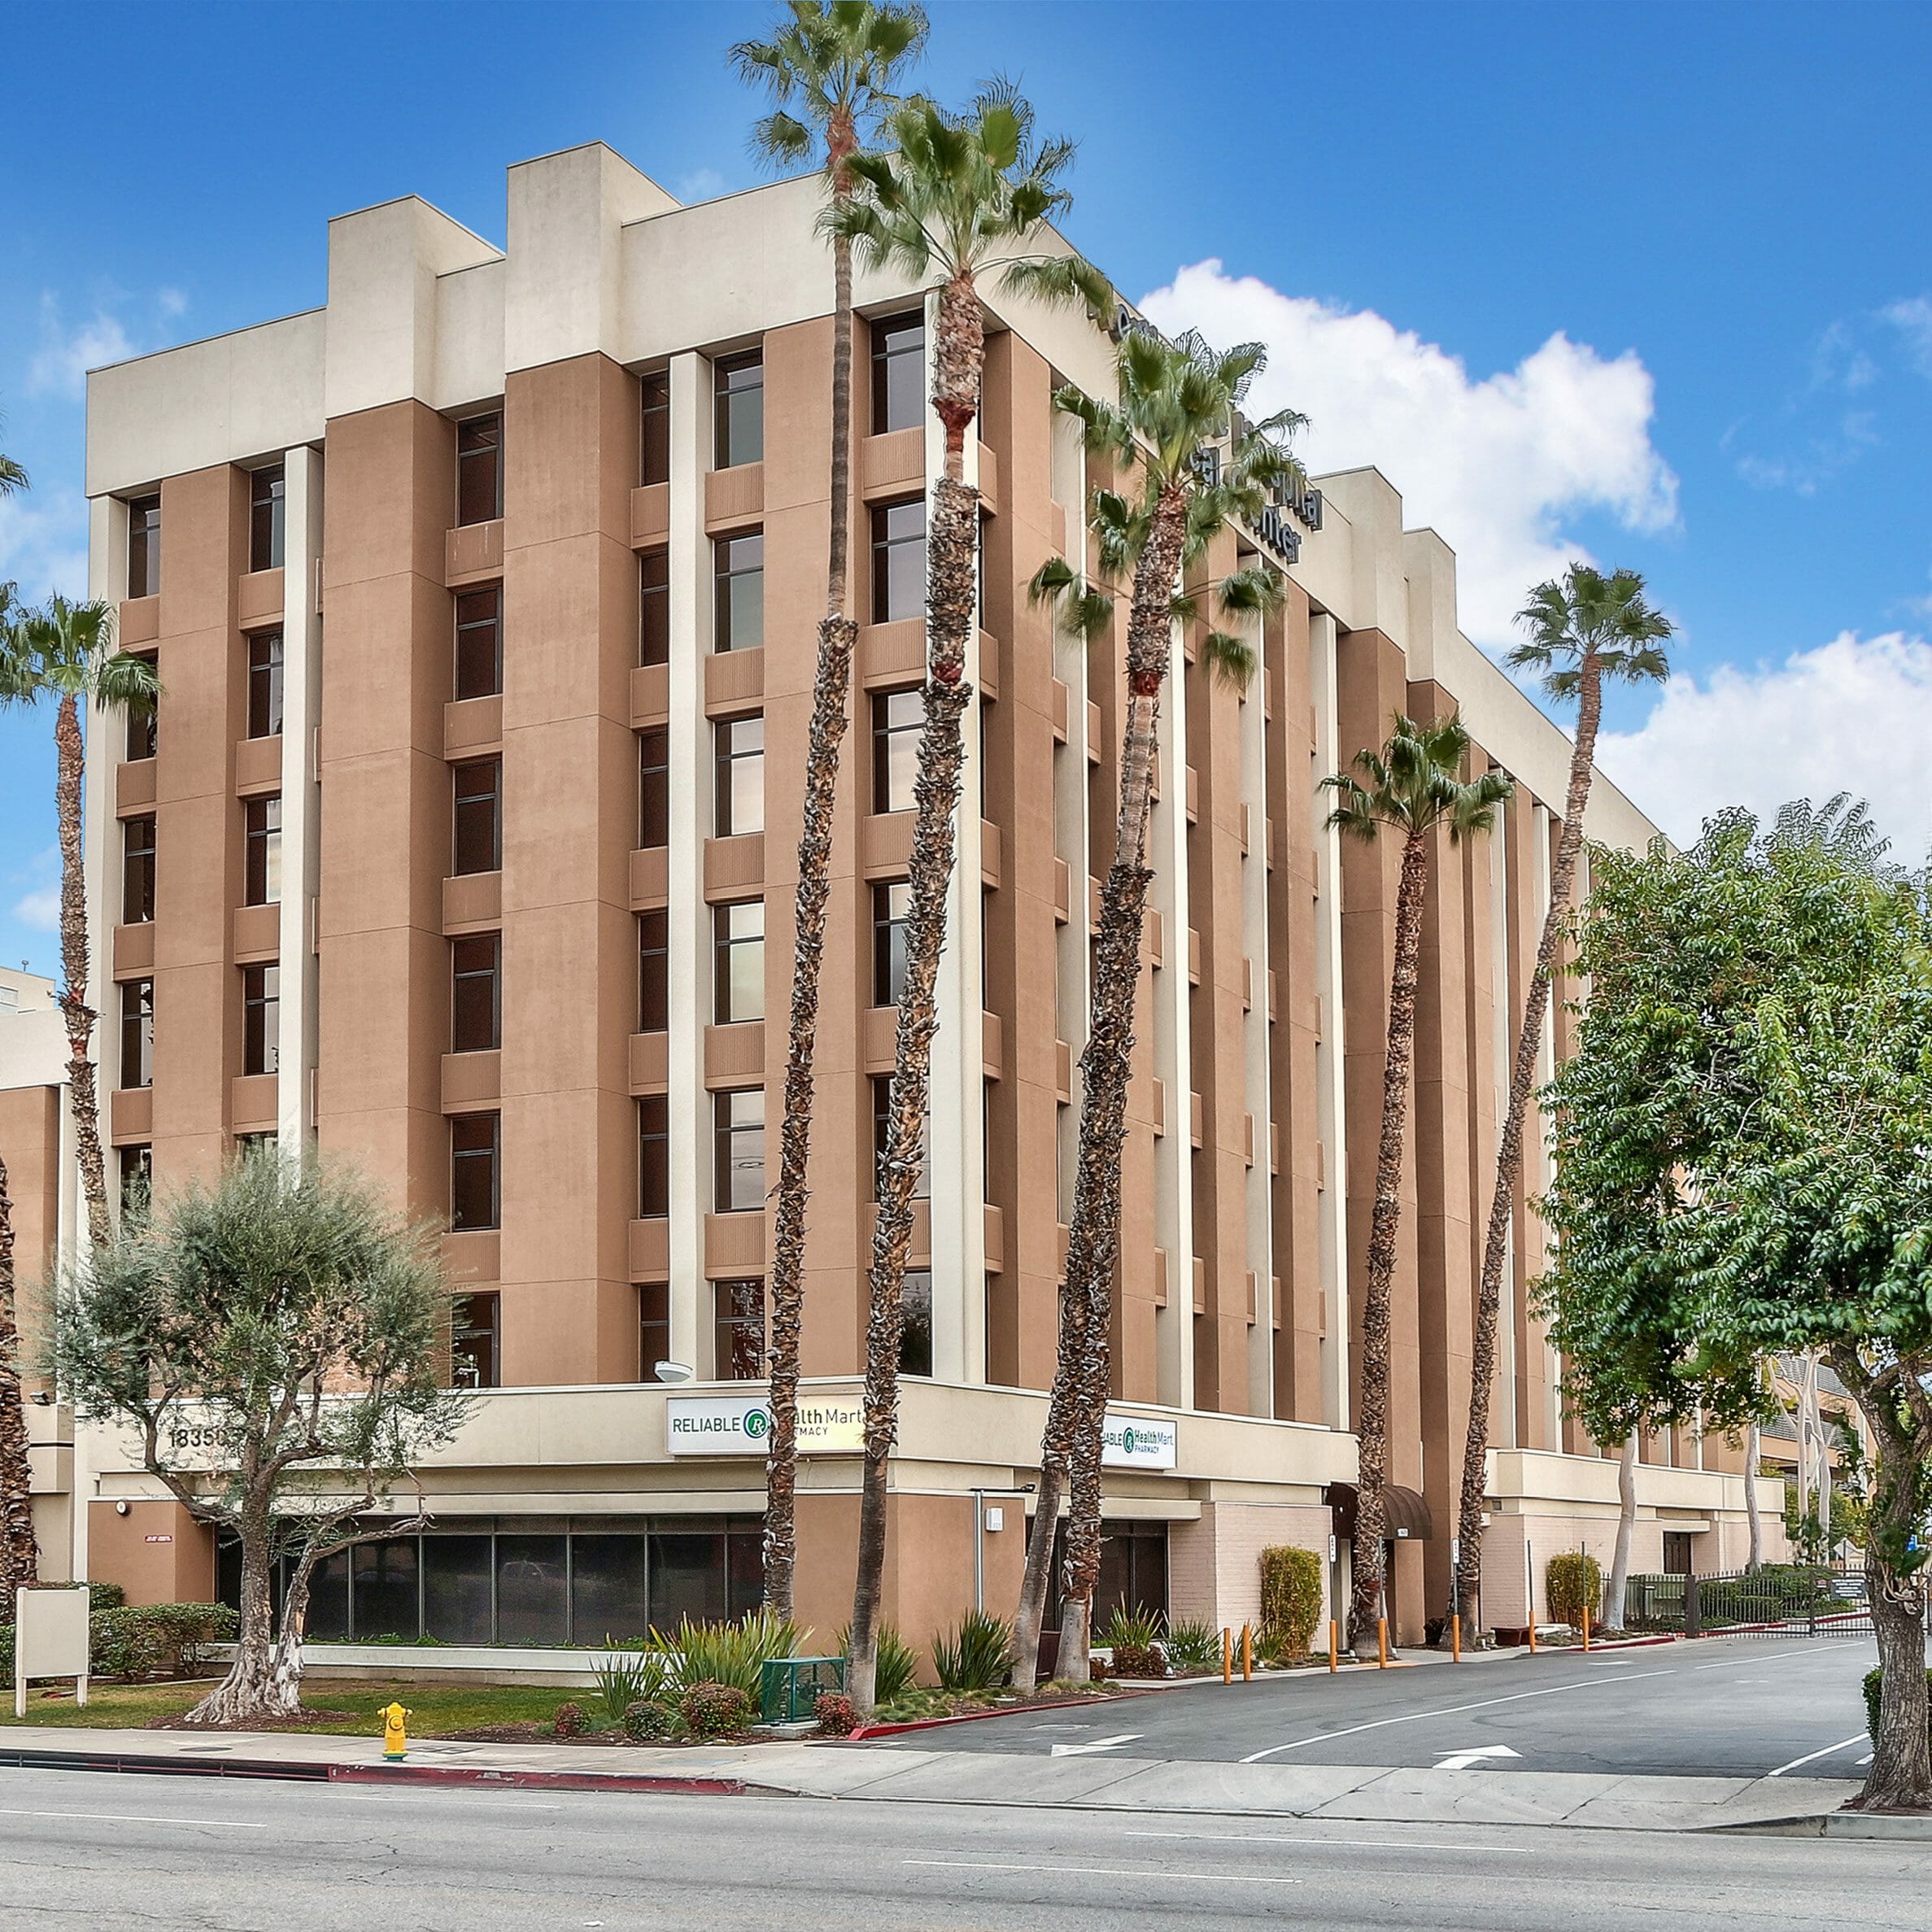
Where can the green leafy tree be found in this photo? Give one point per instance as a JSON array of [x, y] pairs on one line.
[[952, 200], [836, 65], [1586, 629], [1412, 788], [1178, 405], [1740, 1172], [291, 1322], [64, 651]]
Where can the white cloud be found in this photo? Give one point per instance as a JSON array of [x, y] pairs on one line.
[[1493, 464], [701, 184], [40, 909], [1912, 319], [43, 542], [66, 355], [1853, 715], [171, 302]]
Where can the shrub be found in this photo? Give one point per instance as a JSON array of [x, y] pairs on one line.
[[1134, 1637], [570, 1721], [836, 1717], [732, 1654], [977, 1656], [715, 1710], [138, 1641], [105, 1596], [648, 1718], [1575, 1583], [628, 1678], [1191, 1645], [1291, 1599], [897, 1668], [1873, 1678]]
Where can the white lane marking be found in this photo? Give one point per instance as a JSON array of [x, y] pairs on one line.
[[1865, 1760], [1465, 1760], [1251, 1838], [411, 1798], [1802, 1649], [1451, 1710], [1812, 1756], [962, 1864], [1081, 1750], [8, 1811]]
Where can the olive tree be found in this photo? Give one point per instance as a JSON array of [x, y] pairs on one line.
[[276, 1342], [1741, 1172]]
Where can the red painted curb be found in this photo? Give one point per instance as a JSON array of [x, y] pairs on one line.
[[932, 1724], [558, 1780]]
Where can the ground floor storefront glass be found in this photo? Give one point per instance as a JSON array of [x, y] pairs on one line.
[[510, 1579], [1133, 1572]]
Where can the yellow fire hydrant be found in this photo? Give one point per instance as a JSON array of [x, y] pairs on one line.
[[396, 1739]]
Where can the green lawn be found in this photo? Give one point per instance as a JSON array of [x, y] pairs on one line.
[[438, 1708]]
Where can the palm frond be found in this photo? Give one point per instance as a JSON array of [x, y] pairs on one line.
[[1589, 620], [1231, 659]]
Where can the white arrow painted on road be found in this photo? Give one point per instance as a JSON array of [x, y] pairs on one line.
[[1081, 1750], [1464, 1761]]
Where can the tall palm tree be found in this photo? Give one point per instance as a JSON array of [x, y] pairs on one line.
[[65, 651], [1178, 403], [837, 64], [1581, 631], [1414, 788], [19, 1555], [953, 196]]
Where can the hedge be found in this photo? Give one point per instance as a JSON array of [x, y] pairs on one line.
[[136, 1642], [1873, 1678], [1575, 1584], [1291, 1597]]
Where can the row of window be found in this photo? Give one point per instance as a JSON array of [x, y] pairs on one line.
[[267, 531], [261, 1025]]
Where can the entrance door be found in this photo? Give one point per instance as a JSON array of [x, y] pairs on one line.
[[1676, 1553]]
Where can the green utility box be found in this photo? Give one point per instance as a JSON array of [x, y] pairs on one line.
[[791, 1685]]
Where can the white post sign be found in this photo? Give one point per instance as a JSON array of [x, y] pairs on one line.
[[49, 1640], [741, 1425]]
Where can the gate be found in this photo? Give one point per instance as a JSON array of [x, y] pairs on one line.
[[1775, 1600]]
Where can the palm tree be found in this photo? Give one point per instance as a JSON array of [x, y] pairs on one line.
[[837, 63], [64, 651], [19, 1555], [1414, 788], [955, 196], [1581, 631], [1174, 397]]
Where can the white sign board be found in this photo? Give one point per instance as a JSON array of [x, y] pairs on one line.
[[49, 1640], [741, 1425], [1138, 1442]]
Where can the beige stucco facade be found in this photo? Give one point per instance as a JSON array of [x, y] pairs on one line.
[[1256, 1098]]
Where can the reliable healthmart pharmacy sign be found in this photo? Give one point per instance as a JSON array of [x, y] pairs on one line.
[[741, 1425], [1137, 1443]]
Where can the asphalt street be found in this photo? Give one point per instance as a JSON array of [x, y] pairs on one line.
[[94, 1850], [1733, 1706]]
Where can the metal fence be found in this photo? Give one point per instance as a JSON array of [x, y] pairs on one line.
[[1775, 1600]]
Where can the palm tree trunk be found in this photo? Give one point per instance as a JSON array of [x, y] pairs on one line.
[[952, 574], [1619, 1585], [1753, 1451], [1509, 1151], [1076, 1415], [19, 1555], [837, 635], [69, 763], [1372, 1414]]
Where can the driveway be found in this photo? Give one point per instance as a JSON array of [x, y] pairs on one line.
[[1720, 1707]]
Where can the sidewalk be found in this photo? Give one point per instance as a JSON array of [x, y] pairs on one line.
[[831, 1771]]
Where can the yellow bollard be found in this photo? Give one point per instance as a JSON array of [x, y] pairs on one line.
[[1586, 1627], [1382, 1641], [1227, 1655], [396, 1739], [1456, 1638], [1332, 1634], [1247, 1655]]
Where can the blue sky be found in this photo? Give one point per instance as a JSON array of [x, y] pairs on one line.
[[1649, 283]]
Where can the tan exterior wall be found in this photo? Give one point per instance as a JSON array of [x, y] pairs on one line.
[[157, 1552]]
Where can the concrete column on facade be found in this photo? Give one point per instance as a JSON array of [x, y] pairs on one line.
[[1503, 1401], [1071, 829], [301, 797], [1535, 1144], [689, 1000], [1252, 723], [1330, 1094], [957, 1096]]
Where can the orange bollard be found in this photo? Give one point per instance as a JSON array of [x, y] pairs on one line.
[[1331, 1646], [1382, 1641], [1586, 1627], [1227, 1655], [1532, 1637], [1455, 1638], [1247, 1655]]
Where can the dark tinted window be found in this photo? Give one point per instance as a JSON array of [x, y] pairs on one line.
[[740, 1136], [138, 871], [479, 642], [898, 372], [739, 940], [739, 617], [897, 717], [898, 561], [740, 389], [261, 1019], [653, 971], [657, 424], [265, 685], [143, 721], [654, 1329], [740, 1342], [261, 882], [653, 1156], [266, 508], [136, 1032], [473, 1140], [475, 1001], [890, 904], [653, 789], [478, 840], [738, 794], [654, 606], [915, 1333], [474, 1351], [144, 547], [479, 469], [882, 1101], [137, 1177]]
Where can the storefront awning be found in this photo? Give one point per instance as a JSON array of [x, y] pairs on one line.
[[1405, 1512]]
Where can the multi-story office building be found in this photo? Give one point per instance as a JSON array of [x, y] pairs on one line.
[[484, 602]]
